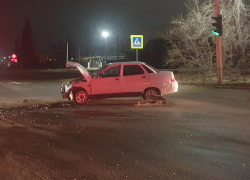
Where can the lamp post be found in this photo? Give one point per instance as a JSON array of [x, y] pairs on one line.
[[106, 34]]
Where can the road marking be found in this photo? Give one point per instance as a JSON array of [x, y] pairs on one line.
[[16, 83]]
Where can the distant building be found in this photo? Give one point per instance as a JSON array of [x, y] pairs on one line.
[[98, 61]]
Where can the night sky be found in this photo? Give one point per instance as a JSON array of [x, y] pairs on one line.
[[54, 20]]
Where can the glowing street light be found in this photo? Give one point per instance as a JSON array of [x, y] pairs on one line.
[[106, 34]]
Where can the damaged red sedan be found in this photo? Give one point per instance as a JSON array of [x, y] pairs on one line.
[[122, 79]]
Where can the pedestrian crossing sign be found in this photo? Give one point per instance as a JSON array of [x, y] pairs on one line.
[[136, 41]]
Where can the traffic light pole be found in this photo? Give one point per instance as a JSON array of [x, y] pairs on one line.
[[219, 60], [218, 47]]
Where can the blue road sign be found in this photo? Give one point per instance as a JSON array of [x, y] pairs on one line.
[[136, 41]]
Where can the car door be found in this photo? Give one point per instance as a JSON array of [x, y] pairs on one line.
[[134, 78], [107, 82]]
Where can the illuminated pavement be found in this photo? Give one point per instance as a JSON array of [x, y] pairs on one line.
[[199, 134], [18, 93], [26, 87]]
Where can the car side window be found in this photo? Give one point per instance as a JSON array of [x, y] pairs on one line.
[[132, 70], [111, 72]]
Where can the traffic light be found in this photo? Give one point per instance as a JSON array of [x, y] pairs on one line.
[[218, 25]]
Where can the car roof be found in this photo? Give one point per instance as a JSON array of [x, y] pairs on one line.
[[126, 62]]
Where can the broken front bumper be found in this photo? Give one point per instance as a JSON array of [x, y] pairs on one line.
[[68, 95], [66, 92]]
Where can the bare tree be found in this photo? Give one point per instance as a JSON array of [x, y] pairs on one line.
[[193, 44], [236, 37]]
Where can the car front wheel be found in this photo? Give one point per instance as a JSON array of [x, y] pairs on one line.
[[80, 97]]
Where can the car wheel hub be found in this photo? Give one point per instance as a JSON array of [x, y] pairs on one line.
[[81, 97], [151, 93]]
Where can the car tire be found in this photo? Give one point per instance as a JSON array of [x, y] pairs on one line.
[[150, 92], [80, 97]]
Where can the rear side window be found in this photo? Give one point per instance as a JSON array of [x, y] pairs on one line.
[[132, 70]]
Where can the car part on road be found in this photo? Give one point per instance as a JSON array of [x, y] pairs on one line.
[[152, 100]]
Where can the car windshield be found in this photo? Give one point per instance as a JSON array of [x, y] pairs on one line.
[[93, 74]]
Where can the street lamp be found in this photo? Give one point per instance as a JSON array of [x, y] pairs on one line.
[[106, 34]]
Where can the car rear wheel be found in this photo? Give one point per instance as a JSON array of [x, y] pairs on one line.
[[150, 92], [80, 97]]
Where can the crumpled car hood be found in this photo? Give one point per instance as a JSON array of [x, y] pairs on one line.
[[82, 70]]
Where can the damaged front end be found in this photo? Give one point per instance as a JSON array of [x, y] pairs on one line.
[[66, 91], [69, 88]]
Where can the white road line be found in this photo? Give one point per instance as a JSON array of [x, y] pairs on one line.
[[15, 83]]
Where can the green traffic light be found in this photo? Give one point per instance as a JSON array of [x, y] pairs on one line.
[[215, 33]]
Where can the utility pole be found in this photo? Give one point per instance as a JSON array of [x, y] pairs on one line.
[[106, 48], [79, 54], [67, 55], [117, 44], [137, 55], [218, 47], [106, 34]]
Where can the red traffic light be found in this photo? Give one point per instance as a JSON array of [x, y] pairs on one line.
[[14, 56]]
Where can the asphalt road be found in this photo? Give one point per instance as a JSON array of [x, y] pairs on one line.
[[200, 133], [28, 87]]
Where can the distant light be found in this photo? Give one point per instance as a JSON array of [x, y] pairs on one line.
[[105, 34], [14, 60], [14, 56], [4, 57]]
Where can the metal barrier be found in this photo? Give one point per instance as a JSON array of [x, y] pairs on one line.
[[209, 76]]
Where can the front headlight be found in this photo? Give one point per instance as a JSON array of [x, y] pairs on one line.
[[63, 87], [62, 90]]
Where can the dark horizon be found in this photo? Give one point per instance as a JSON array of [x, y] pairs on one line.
[[78, 20]]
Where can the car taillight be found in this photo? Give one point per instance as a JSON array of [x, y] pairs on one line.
[[173, 79]]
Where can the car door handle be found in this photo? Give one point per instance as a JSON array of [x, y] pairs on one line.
[[117, 79], [143, 76]]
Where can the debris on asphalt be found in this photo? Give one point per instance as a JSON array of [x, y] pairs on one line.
[[13, 112], [152, 100], [38, 106], [65, 104]]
